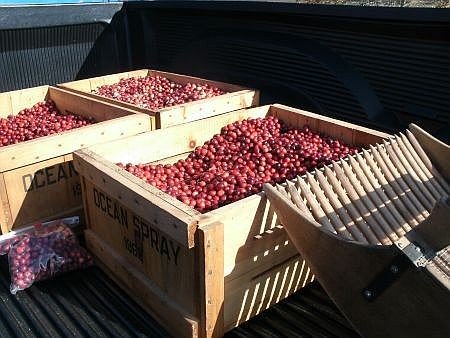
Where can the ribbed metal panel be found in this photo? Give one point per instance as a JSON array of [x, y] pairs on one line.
[[307, 313], [80, 304], [401, 66], [49, 55], [87, 303]]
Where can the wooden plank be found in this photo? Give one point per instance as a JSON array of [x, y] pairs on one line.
[[348, 132], [144, 246], [13, 102], [197, 110], [144, 292], [240, 227], [259, 255], [41, 190], [114, 122], [184, 79], [91, 84], [171, 141], [5, 210], [211, 277], [68, 102], [166, 213], [249, 298], [40, 149]]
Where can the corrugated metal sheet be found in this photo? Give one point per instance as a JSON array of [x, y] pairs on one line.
[[57, 52], [348, 67], [81, 304], [87, 303]]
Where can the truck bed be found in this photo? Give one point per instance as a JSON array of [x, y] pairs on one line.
[[87, 303], [380, 67]]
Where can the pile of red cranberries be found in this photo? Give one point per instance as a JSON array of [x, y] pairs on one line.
[[40, 120], [237, 162], [156, 92], [35, 257]]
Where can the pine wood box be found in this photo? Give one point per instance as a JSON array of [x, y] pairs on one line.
[[199, 274], [37, 177], [237, 97]]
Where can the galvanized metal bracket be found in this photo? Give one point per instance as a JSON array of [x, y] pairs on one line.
[[419, 255]]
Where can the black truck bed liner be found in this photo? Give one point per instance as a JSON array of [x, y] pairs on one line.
[[86, 303]]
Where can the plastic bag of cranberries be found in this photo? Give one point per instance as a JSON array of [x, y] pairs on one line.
[[43, 252]]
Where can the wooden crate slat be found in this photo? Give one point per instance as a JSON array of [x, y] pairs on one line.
[[171, 217], [40, 149], [5, 209], [211, 276], [251, 297], [145, 293], [13, 102], [183, 138]]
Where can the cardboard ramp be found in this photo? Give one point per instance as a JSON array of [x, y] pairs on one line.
[[375, 230]]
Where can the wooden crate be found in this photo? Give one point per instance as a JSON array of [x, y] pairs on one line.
[[199, 274], [37, 177], [237, 97]]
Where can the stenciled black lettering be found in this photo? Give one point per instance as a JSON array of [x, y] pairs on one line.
[[145, 229], [72, 170], [109, 207], [154, 239], [103, 202], [117, 214], [164, 248], [61, 172], [132, 248], [175, 251], [49, 174], [27, 181], [123, 217], [39, 179], [96, 198]]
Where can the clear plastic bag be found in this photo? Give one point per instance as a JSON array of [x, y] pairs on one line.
[[42, 252]]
